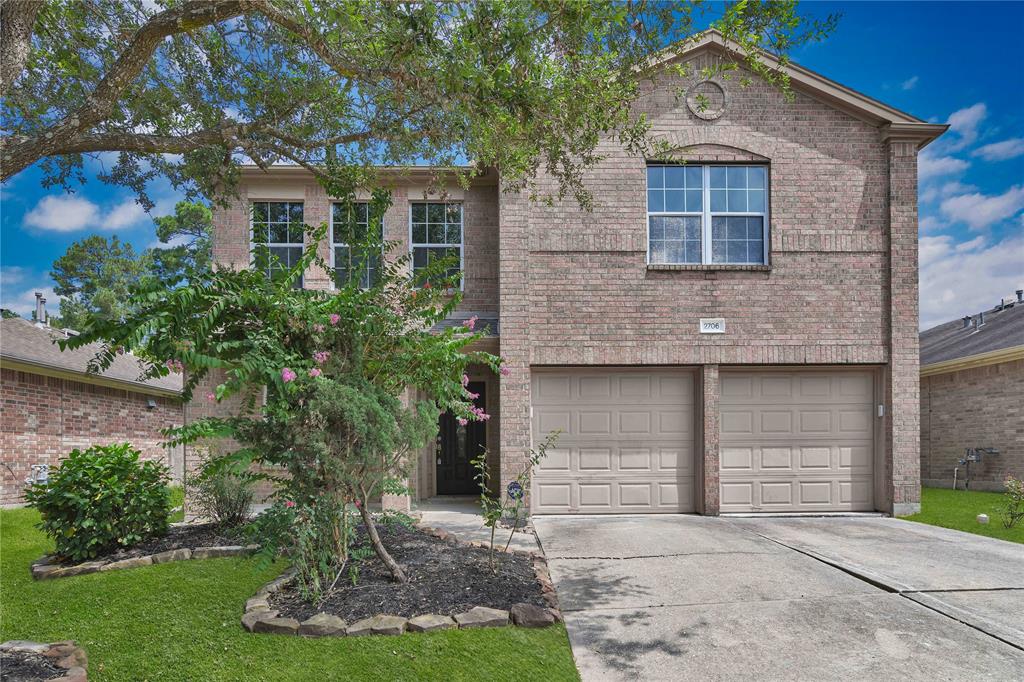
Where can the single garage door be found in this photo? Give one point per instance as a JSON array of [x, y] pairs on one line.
[[796, 441], [627, 442]]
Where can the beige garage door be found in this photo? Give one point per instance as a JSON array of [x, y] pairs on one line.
[[796, 441], [626, 444]]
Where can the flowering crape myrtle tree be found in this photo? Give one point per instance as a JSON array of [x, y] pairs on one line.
[[341, 370]]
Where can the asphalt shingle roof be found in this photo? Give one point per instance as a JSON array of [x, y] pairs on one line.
[[950, 341], [23, 340]]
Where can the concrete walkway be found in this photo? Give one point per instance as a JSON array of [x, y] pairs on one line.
[[461, 516], [690, 597]]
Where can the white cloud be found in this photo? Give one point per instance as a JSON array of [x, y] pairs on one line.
[[1000, 151], [964, 122], [966, 278], [126, 214], [981, 210], [11, 275], [945, 190], [910, 83], [62, 213], [929, 166], [70, 213], [928, 224], [23, 300]]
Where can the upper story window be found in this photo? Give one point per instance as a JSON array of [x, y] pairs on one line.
[[436, 232], [707, 214], [277, 237], [350, 225]]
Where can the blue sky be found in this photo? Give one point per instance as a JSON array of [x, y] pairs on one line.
[[952, 62]]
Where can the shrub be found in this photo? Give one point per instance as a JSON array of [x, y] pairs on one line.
[[102, 499], [1013, 511], [316, 537], [221, 496]]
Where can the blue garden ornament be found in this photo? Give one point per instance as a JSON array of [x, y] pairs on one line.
[[515, 491]]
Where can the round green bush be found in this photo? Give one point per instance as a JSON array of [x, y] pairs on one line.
[[100, 500]]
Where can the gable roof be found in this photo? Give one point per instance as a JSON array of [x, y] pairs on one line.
[[1003, 330], [895, 124], [32, 348]]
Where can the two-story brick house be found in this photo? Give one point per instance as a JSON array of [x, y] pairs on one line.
[[735, 333]]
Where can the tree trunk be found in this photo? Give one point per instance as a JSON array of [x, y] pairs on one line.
[[17, 17], [371, 529]]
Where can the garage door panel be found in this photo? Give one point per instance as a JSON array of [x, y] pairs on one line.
[[628, 442], [796, 441]]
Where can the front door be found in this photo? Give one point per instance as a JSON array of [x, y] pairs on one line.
[[457, 446]]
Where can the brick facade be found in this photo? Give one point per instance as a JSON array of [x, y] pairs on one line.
[[44, 417], [840, 289], [976, 407], [572, 287]]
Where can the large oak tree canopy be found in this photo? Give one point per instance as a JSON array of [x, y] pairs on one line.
[[189, 88]]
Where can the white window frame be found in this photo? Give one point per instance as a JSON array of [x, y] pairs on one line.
[[334, 284], [706, 214], [252, 232], [462, 238]]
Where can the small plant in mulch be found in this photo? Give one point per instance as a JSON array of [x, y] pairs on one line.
[[444, 578], [220, 494], [507, 507]]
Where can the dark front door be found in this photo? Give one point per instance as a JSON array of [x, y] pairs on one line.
[[457, 446]]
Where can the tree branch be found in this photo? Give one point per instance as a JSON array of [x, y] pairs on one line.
[[18, 153]]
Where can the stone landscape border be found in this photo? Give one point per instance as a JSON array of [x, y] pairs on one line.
[[45, 568], [67, 654], [260, 618]]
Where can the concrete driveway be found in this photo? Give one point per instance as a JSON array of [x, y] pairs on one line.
[[691, 597]]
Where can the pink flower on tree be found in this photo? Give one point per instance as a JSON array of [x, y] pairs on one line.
[[321, 356], [335, 318], [315, 372], [479, 413], [465, 380], [462, 421], [288, 375], [472, 396], [211, 397], [318, 328], [174, 365], [289, 504], [505, 371], [471, 322]]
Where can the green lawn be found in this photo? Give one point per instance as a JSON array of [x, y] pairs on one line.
[[180, 621], [177, 494], [957, 509]]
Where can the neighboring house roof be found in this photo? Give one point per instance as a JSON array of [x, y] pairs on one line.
[[30, 347], [895, 124], [1000, 338]]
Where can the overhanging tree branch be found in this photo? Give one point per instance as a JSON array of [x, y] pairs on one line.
[[18, 154]]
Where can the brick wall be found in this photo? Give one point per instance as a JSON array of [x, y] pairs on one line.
[[977, 407], [575, 288], [44, 418], [480, 256]]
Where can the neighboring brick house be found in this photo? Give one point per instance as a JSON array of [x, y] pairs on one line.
[[50, 405], [734, 334], [972, 391]]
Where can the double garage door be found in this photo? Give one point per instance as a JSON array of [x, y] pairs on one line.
[[789, 441]]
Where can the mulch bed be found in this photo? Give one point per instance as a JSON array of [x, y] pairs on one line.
[[22, 666], [188, 536], [444, 578]]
